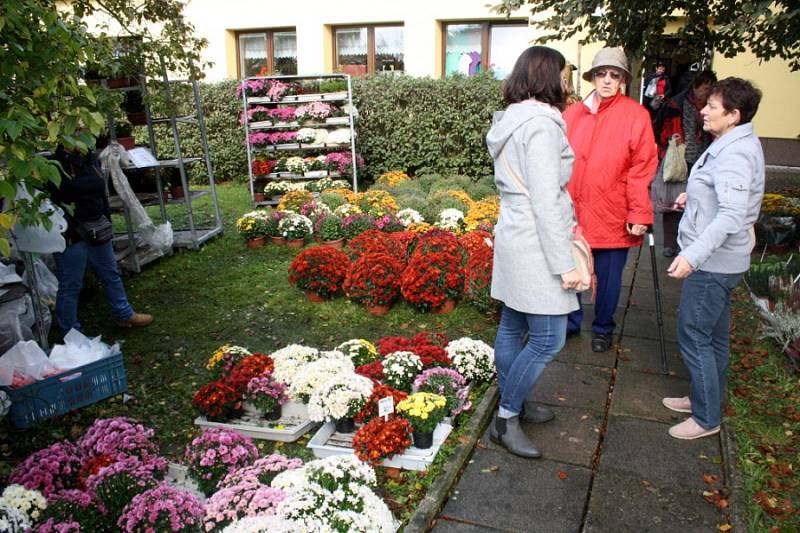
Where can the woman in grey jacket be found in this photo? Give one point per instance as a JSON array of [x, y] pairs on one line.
[[533, 273], [722, 201]]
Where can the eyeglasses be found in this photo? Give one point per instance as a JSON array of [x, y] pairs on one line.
[[615, 75]]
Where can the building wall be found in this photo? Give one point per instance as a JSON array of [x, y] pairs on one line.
[[219, 21]]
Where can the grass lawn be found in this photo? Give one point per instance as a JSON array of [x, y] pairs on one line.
[[223, 293], [764, 410]]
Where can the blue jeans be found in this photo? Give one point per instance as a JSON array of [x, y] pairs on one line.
[[608, 267], [703, 336], [519, 366], [71, 265]]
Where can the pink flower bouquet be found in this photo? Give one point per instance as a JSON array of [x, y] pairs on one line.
[[248, 498], [162, 508], [49, 470], [216, 453], [263, 470]]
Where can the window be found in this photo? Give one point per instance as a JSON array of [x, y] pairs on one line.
[[368, 49], [470, 47], [273, 50]]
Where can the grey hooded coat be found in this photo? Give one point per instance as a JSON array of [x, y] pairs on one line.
[[534, 232]]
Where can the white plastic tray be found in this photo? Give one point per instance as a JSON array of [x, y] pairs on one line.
[[327, 442], [292, 425], [178, 477]]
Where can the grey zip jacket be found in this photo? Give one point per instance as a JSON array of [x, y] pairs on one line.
[[534, 232], [724, 195]]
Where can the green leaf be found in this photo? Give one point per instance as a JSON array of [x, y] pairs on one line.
[[53, 129]]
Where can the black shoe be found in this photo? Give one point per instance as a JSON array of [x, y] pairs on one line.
[[669, 252], [573, 332], [536, 414], [601, 342]]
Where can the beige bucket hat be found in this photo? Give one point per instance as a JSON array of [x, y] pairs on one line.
[[609, 57]]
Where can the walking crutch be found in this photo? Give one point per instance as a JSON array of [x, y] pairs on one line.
[[651, 241]]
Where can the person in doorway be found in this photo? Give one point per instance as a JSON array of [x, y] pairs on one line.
[[615, 159], [722, 201], [83, 189], [534, 274], [680, 116], [656, 88]]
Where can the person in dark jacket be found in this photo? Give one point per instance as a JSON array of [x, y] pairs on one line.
[[680, 116], [656, 89], [83, 193]]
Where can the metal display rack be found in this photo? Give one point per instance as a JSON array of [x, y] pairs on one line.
[[194, 235], [281, 150]]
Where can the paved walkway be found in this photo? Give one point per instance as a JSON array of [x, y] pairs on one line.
[[609, 464]]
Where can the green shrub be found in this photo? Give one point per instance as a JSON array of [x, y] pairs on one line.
[[426, 125], [438, 202], [332, 199]]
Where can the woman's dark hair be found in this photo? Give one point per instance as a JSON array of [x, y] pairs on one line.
[[536, 74], [740, 94], [703, 77]]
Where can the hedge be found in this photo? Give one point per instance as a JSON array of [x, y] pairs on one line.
[[419, 125]]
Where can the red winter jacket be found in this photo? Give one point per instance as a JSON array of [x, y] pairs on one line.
[[615, 160]]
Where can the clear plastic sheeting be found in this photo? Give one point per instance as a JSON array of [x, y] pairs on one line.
[[25, 362], [17, 320], [46, 283], [160, 237]]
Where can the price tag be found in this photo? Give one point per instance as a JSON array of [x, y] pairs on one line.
[[386, 407]]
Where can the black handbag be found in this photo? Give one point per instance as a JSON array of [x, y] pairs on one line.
[[95, 232]]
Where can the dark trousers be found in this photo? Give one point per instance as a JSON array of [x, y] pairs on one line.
[[608, 267], [669, 223]]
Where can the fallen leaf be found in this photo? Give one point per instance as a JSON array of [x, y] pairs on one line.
[[562, 475], [463, 439], [490, 469], [585, 417], [722, 503], [724, 527], [710, 479]]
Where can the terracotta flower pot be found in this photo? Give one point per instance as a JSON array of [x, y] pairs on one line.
[[259, 197], [314, 297], [138, 118], [258, 242], [377, 310], [338, 243], [445, 308], [177, 193], [280, 241], [295, 243], [392, 472], [129, 143]]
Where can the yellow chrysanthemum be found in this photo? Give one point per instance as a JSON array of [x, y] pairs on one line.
[[392, 178], [419, 227], [377, 203], [216, 357], [294, 200], [484, 211], [349, 196]]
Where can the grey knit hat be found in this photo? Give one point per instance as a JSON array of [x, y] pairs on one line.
[[609, 57]]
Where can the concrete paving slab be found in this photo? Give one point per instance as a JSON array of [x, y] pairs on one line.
[[644, 450], [625, 503], [588, 314], [580, 386], [452, 526], [639, 395], [578, 349], [644, 355], [644, 324], [504, 491], [644, 296], [571, 437]]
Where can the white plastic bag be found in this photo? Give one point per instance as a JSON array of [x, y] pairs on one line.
[[79, 350], [37, 239], [27, 360], [46, 283], [16, 322], [675, 168]]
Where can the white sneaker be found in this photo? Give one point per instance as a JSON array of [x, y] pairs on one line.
[[690, 430], [679, 405]]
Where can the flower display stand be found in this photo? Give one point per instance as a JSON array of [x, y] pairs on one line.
[[292, 424], [327, 442], [178, 477]]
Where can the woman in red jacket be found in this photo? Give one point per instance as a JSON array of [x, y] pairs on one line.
[[615, 159]]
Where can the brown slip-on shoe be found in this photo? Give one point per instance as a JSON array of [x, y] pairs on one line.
[[690, 430], [137, 320]]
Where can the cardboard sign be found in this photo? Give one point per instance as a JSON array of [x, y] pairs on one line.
[[385, 407]]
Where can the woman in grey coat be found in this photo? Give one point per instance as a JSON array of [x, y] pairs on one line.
[[533, 273]]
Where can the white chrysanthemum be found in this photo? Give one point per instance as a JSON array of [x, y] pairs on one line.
[[306, 135], [289, 359], [29, 502], [12, 520], [450, 219], [340, 397], [474, 359], [345, 210], [400, 369], [290, 480], [262, 524], [409, 216], [311, 376]]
